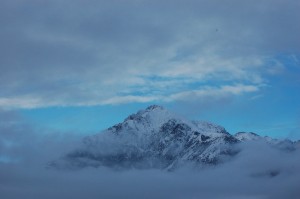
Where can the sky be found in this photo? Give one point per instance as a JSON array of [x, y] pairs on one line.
[[81, 66]]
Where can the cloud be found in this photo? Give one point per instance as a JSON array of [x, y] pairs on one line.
[[74, 52], [214, 92], [206, 91]]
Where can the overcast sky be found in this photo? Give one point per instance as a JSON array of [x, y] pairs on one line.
[[237, 63]]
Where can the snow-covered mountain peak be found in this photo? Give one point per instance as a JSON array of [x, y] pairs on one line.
[[157, 138], [154, 107], [146, 121], [153, 111], [152, 119], [209, 128], [247, 136]]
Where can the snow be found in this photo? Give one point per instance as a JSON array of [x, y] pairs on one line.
[[247, 136]]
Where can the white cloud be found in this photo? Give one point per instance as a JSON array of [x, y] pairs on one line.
[[203, 93], [22, 102], [130, 99], [226, 90]]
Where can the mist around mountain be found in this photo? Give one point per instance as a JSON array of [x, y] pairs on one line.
[[262, 167]]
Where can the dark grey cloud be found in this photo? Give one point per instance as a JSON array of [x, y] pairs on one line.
[[85, 52]]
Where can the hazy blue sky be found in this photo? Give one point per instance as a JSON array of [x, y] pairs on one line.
[[83, 65]]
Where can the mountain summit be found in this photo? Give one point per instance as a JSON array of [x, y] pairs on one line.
[[156, 138]]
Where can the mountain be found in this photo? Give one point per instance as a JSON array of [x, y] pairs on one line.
[[156, 138], [280, 144], [247, 136]]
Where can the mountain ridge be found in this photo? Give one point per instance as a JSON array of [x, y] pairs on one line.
[[156, 138]]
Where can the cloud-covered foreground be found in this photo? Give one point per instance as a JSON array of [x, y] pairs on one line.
[[259, 171]]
